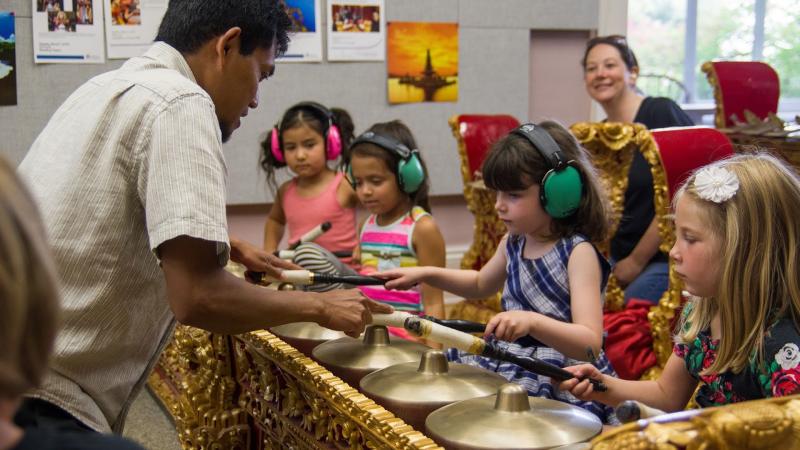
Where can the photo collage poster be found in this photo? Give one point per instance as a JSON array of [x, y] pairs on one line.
[[68, 31], [356, 30], [132, 26]]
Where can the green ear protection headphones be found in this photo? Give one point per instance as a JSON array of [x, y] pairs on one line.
[[410, 173], [561, 188]]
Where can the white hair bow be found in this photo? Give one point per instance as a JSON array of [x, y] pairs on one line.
[[716, 184]]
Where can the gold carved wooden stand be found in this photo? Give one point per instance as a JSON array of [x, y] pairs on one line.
[[253, 391]]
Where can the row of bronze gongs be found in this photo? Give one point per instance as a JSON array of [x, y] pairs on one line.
[[458, 405]]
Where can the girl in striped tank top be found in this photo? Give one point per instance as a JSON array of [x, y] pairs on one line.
[[390, 179], [551, 274]]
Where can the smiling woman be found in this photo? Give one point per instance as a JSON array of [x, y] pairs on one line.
[[610, 71]]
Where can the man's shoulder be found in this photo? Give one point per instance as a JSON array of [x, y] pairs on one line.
[[165, 83], [163, 72]]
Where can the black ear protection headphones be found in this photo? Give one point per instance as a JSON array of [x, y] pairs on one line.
[[410, 174], [561, 188]]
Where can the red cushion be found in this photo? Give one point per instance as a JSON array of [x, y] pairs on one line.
[[749, 85], [479, 132], [629, 343], [683, 150]]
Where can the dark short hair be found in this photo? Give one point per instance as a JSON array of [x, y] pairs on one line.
[[617, 41], [188, 24], [304, 113], [400, 132]]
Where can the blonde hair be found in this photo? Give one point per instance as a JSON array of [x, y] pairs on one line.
[[29, 299], [758, 234]]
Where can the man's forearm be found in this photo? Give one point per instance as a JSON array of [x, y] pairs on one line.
[[223, 303]]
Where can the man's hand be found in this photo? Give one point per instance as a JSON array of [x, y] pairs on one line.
[[349, 311], [258, 260]]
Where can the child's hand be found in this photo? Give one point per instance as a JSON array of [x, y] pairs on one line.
[[511, 325], [403, 278], [580, 386]]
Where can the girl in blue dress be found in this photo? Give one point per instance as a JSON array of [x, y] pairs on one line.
[[551, 274]]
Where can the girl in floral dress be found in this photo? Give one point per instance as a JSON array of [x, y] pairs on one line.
[[738, 254]]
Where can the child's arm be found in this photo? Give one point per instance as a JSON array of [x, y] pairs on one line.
[[670, 392], [570, 338], [466, 283], [273, 229], [586, 305], [346, 195], [429, 245]]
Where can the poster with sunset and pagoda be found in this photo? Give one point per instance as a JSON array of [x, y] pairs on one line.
[[422, 62]]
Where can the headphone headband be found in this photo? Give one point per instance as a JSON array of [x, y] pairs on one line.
[[543, 142], [319, 108], [410, 173], [385, 142]]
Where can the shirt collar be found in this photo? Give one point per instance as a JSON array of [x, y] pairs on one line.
[[171, 58]]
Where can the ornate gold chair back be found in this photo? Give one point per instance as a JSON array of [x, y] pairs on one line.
[[672, 154], [475, 134]]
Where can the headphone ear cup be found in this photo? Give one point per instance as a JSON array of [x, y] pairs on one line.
[[411, 174], [348, 174], [561, 192], [276, 145], [334, 143]]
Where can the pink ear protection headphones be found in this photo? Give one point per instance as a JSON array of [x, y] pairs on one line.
[[333, 140]]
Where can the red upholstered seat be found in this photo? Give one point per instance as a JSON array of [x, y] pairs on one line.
[[681, 151], [475, 134], [740, 86], [639, 337]]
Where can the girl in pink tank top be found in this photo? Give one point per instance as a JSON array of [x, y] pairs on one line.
[[307, 137]]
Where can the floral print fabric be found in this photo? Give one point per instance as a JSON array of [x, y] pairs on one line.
[[777, 376]]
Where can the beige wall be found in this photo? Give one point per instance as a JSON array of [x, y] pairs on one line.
[[556, 79]]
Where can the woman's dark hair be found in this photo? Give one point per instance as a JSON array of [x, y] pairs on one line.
[[513, 164], [188, 24], [398, 131], [617, 41], [313, 117]]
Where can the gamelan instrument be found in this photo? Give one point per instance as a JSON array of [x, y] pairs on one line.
[[511, 420], [415, 389], [305, 336], [351, 359], [289, 254], [472, 344], [306, 277], [631, 411]]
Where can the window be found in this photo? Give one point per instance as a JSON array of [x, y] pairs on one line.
[[674, 37]]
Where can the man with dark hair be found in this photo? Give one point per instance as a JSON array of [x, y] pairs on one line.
[[130, 177]]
